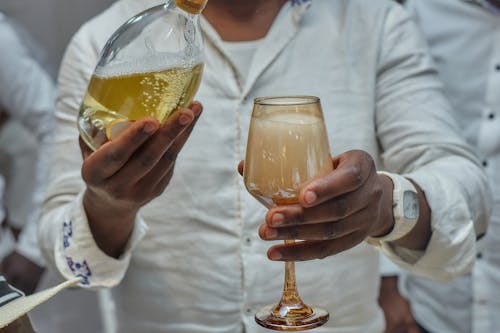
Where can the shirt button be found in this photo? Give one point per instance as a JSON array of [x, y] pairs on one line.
[[248, 241], [497, 67], [485, 163], [491, 116], [248, 310], [479, 255]]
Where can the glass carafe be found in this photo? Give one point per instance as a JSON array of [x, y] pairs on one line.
[[151, 66]]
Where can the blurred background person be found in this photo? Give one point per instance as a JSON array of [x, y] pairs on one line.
[[52, 22], [464, 39], [26, 128]]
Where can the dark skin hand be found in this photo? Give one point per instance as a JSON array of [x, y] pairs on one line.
[[22, 325], [397, 310], [125, 174], [21, 272], [338, 211]]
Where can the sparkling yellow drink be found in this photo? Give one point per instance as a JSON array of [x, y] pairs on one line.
[[111, 99]]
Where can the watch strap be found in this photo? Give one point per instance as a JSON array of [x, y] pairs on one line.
[[402, 224]]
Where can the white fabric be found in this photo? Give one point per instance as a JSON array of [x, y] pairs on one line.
[[20, 306], [467, 52], [27, 95], [241, 55], [201, 267]]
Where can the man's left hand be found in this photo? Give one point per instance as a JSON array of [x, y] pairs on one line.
[[335, 212]]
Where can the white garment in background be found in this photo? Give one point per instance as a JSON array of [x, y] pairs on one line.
[[198, 265], [464, 38], [27, 96]]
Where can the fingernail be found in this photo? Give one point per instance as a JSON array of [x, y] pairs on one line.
[[117, 127], [184, 119], [197, 110], [277, 219], [275, 255], [310, 197], [149, 128], [271, 233]]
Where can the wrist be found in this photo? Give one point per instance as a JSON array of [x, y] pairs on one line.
[[389, 284], [386, 217], [110, 225]]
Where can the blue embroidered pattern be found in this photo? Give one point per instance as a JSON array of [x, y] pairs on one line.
[[67, 231], [80, 270]]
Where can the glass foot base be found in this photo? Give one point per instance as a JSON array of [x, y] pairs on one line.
[[266, 318]]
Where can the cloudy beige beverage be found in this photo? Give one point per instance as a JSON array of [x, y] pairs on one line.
[[285, 150], [111, 99]]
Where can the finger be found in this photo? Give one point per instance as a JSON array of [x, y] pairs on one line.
[[153, 184], [413, 329], [113, 155], [333, 210], [309, 250], [319, 231], [241, 167], [164, 145], [163, 182], [183, 137], [352, 170], [84, 148]]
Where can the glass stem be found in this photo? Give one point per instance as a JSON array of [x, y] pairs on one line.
[[290, 304]]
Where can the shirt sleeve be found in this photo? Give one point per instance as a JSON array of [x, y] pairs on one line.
[[420, 140], [77, 255], [64, 234]]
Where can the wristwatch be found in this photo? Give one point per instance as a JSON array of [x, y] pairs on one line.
[[405, 207]]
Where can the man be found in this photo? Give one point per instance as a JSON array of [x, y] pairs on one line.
[[463, 37], [198, 266]]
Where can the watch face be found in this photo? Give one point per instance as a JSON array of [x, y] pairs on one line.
[[410, 205]]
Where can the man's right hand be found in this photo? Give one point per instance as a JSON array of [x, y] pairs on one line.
[[125, 174]]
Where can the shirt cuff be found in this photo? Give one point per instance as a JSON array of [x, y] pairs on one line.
[[78, 255], [452, 247], [388, 267]]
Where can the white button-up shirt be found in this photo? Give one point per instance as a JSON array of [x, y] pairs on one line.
[[199, 265], [27, 96], [464, 38]]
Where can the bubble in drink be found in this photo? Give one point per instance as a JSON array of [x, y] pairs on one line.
[[112, 99]]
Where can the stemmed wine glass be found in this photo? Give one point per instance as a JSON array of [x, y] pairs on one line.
[[287, 147]]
